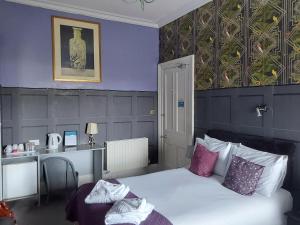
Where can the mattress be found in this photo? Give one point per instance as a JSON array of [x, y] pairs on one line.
[[188, 199]]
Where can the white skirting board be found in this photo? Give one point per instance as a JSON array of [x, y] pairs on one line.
[[88, 178], [84, 179], [125, 173]]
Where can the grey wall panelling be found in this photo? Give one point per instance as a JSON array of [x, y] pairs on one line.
[[32, 113], [234, 110]]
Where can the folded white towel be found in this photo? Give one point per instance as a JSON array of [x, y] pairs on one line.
[[105, 192], [133, 211]]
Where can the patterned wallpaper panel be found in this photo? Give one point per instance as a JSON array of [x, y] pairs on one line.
[[168, 42], [294, 41], [231, 48], [265, 21], [205, 35], [185, 35], [238, 43]]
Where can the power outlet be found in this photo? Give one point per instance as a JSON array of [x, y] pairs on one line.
[[152, 112]]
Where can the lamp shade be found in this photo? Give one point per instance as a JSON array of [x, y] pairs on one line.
[[92, 128]]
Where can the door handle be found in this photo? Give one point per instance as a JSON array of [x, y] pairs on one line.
[[164, 136]]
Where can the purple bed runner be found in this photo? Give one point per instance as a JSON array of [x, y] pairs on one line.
[[94, 214]]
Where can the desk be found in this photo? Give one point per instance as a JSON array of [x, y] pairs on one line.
[[97, 155], [43, 152]]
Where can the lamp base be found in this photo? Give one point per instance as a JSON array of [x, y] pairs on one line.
[[91, 140]]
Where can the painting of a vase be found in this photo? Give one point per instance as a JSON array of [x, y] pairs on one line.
[[76, 50]]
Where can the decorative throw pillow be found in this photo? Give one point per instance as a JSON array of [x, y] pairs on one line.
[[274, 172], [223, 148], [243, 176], [203, 161]]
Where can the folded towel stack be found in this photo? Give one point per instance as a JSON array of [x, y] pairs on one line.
[[133, 211], [105, 192]]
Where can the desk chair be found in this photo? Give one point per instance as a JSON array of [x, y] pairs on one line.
[[59, 175]]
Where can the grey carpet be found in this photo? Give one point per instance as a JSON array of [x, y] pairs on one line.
[[28, 213]]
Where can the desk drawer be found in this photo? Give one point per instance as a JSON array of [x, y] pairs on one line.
[[19, 180]]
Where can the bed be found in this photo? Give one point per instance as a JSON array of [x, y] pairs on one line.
[[187, 199]]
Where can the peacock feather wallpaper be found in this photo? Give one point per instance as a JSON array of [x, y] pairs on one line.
[[238, 43]]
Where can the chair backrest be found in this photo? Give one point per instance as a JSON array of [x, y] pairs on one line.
[[59, 174]]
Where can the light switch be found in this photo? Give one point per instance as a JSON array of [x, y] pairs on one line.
[[152, 112]]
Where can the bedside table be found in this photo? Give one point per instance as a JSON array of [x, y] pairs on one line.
[[293, 218]]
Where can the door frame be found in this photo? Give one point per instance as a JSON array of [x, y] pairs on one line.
[[187, 61]]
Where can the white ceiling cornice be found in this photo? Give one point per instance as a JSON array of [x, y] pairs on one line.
[[155, 22], [86, 12], [181, 12]]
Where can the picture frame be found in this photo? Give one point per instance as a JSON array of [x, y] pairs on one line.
[[70, 138], [76, 50]]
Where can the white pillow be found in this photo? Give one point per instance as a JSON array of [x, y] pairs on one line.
[[284, 172], [215, 145], [283, 169], [274, 172], [214, 140]]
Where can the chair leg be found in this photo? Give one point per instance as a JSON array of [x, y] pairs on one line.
[[48, 197]]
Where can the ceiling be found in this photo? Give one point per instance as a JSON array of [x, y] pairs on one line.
[[156, 14]]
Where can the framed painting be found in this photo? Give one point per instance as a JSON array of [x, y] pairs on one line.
[[76, 50]]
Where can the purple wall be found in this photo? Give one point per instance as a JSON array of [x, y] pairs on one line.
[[129, 52]]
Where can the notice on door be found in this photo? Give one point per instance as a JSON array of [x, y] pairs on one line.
[[180, 104]]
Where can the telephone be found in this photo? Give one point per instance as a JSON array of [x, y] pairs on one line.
[[6, 212]]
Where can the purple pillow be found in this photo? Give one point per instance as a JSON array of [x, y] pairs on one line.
[[203, 161], [243, 176]]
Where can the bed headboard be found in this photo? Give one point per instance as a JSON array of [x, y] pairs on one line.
[[272, 145]]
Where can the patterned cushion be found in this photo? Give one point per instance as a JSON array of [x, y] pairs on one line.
[[243, 176], [203, 161]]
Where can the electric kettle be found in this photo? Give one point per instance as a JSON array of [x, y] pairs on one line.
[[54, 140]]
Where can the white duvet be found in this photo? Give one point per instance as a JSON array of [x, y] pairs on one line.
[[188, 199]]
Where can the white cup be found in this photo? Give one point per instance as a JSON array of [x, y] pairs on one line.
[[21, 148], [28, 146], [14, 148], [8, 149]]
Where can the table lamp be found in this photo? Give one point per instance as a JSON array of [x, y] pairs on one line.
[[91, 130]]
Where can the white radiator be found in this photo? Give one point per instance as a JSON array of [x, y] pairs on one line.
[[19, 180], [126, 155]]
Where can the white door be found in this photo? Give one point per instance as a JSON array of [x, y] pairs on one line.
[[176, 110]]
